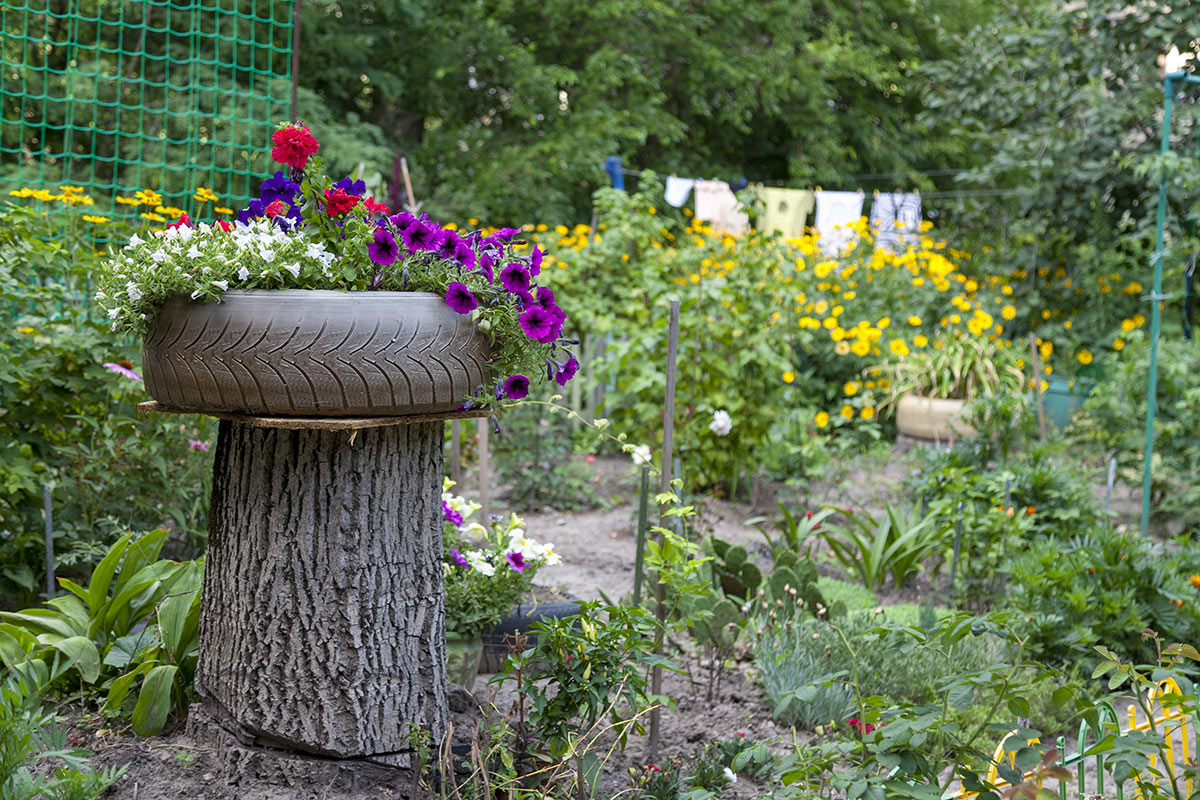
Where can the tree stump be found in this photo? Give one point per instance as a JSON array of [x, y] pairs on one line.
[[322, 636]]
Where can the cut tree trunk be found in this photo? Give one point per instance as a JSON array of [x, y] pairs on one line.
[[322, 632]]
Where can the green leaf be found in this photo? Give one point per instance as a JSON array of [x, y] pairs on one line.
[[154, 700], [127, 648], [120, 686], [102, 575], [183, 596], [82, 654]]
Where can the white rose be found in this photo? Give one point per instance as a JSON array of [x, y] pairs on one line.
[[721, 423]]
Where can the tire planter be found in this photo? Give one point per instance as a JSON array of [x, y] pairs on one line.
[[314, 353], [930, 418], [521, 620]]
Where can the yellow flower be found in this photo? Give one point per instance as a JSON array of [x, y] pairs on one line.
[[847, 411], [883, 323], [914, 320], [822, 419], [860, 348], [1118, 344], [1127, 325], [128, 201], [624, 256], [1068, 325], [542, 228], [1046, 313], [842, 348], [955, 319], [1195, 581], [26, 330], [222, 210], [1085, 357], [652, 210], [561, 230], [868, 412], [920, 340], [829, 323], [95, 219], [22, 192], [898, 347], [1008, 312], [149, 197], [789, 376], [851, 388], [204, 195], [153, 217]]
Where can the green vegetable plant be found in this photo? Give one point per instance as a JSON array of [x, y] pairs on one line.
[[870, 549]]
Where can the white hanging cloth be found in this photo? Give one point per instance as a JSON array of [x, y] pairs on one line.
[[836, 214]]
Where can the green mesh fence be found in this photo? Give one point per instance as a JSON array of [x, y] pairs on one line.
[[169, 96]]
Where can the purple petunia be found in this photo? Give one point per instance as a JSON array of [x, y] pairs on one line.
[[419, 236], [450, 515], [505, 235], [383, 249], [402, 220], [535, 261], [351, 186], [447, 244], [537, 322], [566, 371], [459, 559], [515, 278], [545, 298], [485, 266], [464, 255], [459, 298], [121, 369], [516, 387], [516, 560]]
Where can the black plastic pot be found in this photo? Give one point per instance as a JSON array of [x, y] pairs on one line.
[[521, 620]]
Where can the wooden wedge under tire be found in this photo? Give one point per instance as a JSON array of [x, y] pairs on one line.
[[314, 353]]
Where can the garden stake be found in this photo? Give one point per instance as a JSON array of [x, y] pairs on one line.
[[485, 472], [640, 557], [455, 454], [958, 533], [295, 56], [48, 515], [667, 458], [1037, 379], [1112, 475]]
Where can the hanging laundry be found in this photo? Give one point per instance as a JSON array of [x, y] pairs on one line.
[[678, 190], [717, 204], [836, 214], [786, 210], [896, 218]]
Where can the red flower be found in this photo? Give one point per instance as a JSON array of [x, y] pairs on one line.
[[339, 201], [225, 226], [293, 145], [276, 208], [860, 726], [374, 207], [591, 458], [184, 221]]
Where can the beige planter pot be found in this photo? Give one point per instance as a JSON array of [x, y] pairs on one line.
[[931, 418]]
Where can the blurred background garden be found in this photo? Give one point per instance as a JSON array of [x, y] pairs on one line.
[[1003, 163]]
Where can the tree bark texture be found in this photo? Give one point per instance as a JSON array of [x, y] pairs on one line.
[[323, 623]]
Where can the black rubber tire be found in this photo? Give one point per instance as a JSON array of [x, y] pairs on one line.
[[314, 353], [495, 649]]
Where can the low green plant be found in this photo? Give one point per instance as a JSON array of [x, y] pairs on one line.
[[954, 366], [733, 571], [793, 530], [35, 759], [535, 460], [897, 543], [584, 667], [135, 624], [1105, 587]]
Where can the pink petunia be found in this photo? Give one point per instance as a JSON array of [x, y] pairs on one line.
[[121, 369]]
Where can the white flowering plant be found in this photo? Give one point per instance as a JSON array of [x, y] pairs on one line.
[[489, 567], [306, 232]]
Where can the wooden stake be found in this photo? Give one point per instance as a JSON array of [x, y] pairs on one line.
[[1037, 384], [640, 555], [667, 460], [485, 473], [412, 206]]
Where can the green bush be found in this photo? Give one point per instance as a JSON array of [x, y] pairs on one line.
[[1104, 587]]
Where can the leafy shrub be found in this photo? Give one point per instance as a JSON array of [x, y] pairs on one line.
[[1105, 587]]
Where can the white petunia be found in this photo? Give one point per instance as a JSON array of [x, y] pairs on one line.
[[721, 423], [294, 269], [222, 285], [730, 775], [134, 241], [158, 256], [268, 255], [112, 313], [193, 252], [480, 564], [134, 292], [243, 274]]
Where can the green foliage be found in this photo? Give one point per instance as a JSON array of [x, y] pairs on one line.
[[35, 759], [1113, 421], [897, 543], [534, 458], [958, 366], [595, 667], [474, 94], [1103, 587], [1061, 105], [71, 423], [133, 630], [732, 570]]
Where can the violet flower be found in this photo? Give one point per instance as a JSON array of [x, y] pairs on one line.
[[567, 371], [383, 249], [459, 298], [418, 236], [451, 515], [535, 260], [459, 559], [516, 560], [516, 387], [121, 369], [515, 278], [537, 322]]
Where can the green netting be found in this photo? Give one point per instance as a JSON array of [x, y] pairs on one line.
[[164, 95]]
